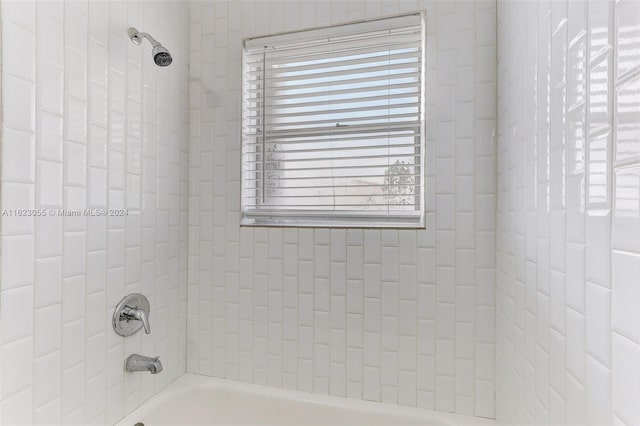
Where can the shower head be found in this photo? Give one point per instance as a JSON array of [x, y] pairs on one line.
[[161, 55]]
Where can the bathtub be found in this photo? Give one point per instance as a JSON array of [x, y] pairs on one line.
[[198, 400]]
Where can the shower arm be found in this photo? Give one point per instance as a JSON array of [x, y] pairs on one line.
[[136, 37]]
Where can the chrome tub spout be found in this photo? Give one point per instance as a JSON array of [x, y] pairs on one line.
[[138, 362]]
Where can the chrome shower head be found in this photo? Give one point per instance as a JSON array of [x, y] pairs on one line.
[[161, 55]]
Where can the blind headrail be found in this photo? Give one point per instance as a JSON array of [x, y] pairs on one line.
[[276, 40]]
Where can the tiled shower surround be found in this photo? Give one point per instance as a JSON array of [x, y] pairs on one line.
[[519, 301], [403, 317], [568, 285], [90, 122]]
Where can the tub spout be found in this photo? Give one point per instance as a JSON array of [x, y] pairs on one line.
[[138, 362]]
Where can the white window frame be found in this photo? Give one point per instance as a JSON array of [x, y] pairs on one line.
[[342, 218]]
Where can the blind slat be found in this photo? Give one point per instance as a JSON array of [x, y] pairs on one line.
[[335, 159], [347, 82], [362, 91], [347, 148], [344, 110], [334, 129], [336, 207], [376, 119], [320, 196], [310, 169], [312, 187], [298, 70], [387, 97], [324, 176], [325, 72]]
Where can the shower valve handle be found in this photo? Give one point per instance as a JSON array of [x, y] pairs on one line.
[[139, 315], [132, 314]]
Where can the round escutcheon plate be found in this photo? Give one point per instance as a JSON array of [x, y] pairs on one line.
[[124, 325]]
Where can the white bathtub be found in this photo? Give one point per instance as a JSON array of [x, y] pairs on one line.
[[198, 400]]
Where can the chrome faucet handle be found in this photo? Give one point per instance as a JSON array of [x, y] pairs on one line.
[[139, 315], [132, 314]]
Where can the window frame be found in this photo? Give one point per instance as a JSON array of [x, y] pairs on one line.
[[320, 218]]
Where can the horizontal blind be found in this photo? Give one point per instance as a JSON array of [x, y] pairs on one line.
[[333, 126]]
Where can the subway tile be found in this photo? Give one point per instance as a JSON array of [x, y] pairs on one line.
[[17, 199], [576, 123], [49, 40], [22, 13], [599, 323], [18, 408], [98, 71], [98, 105], [600, 13], [624, 383], [95, 398], [17, 303], [575, 401], [625, 226], [627, 119], [75, 29], [17, 261], [575, 349], [598, 258], [20, 94], [48, 283], [17, 369], [49, 183], [47, 376], [19, 59], [76, 164], [75, 72], [627, 16], [599, 180], [75, 120], [49, 87], [575, 277], [485, 402], [72, 400], [445, 397], [600, 105], [49, 136], [46, 330], [598, 393], [485, 27], [99, 22], [485, 65], [625, 294]]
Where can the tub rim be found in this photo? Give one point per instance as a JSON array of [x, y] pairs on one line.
[[190, 381]]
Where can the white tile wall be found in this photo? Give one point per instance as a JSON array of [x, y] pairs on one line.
[[396, 316], [90, 122], [568, 233]]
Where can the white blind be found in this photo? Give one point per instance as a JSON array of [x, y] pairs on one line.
[[333, 126]]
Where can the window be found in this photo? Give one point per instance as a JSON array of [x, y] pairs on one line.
[[333, 126]]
